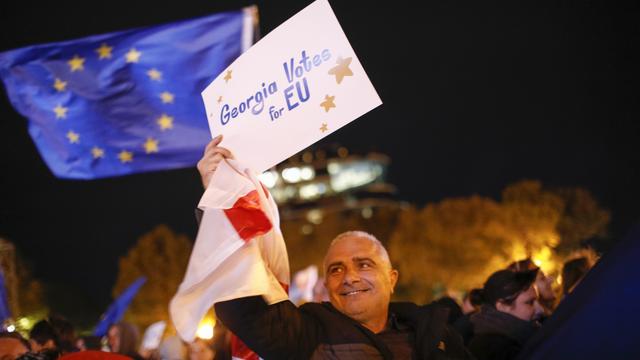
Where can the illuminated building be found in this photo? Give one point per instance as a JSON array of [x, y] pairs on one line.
[[330, 179]]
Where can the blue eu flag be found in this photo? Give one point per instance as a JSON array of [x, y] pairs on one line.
[[118, 307], [5, 309], [126, 102]]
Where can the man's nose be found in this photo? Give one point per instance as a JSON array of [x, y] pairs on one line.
[[351, 275]]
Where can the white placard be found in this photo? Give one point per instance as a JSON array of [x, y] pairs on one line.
[[297, 85]]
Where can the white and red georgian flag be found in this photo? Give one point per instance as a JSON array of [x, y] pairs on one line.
[[239, 250]]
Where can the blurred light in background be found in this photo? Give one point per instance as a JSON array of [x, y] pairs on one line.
[[205, 329]]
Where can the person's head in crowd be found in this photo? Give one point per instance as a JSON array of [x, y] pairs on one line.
[[472, 301], [573, 270], [543, 282], [359, 278], [65, 332], [43, 336], [455, 311], [84, 343], [173, 347], [320, 293], [12, 345], [123, 338], [200, 350], [512, 292]]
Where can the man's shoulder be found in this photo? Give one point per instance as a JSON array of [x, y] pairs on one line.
[[410, 310], [321, 310]]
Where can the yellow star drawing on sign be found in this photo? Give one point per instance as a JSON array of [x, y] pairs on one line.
[[220, 99], [154, 74], [59, 85], [151, 146], [97, 152], [76, 63], [73, 137], [324, 127], [133, 56], [125, 156], [166, 122], [61, 111], [104, 51], [328, 103], [342, 69], [167, 97], [227, 77]]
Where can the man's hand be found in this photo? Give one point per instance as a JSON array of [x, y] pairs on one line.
[[213, 155]]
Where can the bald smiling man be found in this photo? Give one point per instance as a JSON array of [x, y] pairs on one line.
[[358, 322]]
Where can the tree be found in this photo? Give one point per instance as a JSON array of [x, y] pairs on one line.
[[457, 243], [454, 244], [25, 294], [162, 257], [532, 214], [581, 220]]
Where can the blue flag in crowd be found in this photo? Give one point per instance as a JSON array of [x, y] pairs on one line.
[[5, 310], [599, 319], [125, 102], [118, 307]]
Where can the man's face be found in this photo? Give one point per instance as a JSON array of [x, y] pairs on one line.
[[543, 284], [359, 279], [523, 307]]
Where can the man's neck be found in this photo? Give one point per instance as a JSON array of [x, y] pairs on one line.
[[378, 324]]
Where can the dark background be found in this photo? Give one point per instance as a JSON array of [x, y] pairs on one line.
[[476, 96]]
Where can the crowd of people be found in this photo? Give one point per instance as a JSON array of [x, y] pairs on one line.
[[493, 322], [55, 338], [352, 316]]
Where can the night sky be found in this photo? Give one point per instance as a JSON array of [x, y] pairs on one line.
[[475, 96]]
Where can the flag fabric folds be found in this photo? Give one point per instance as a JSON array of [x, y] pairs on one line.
[[125, 102], [239, 250], [118, 307]]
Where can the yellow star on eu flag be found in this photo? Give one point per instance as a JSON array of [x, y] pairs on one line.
[[98, 153], [73, 137], [324, 127], [165, 121], [151, 146], [154, 74], [227, 76], [76, 63], [167, 97], [133, 56], [61, 111], [104, 51], [342, 69], [59, 85], [328, 103], [125, 156]]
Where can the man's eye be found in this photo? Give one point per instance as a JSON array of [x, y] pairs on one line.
[[335, 270], [365, 265]]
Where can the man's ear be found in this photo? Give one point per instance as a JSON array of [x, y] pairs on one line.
[[393, 277]]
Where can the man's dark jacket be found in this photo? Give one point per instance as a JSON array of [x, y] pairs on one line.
[[319, 331]]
